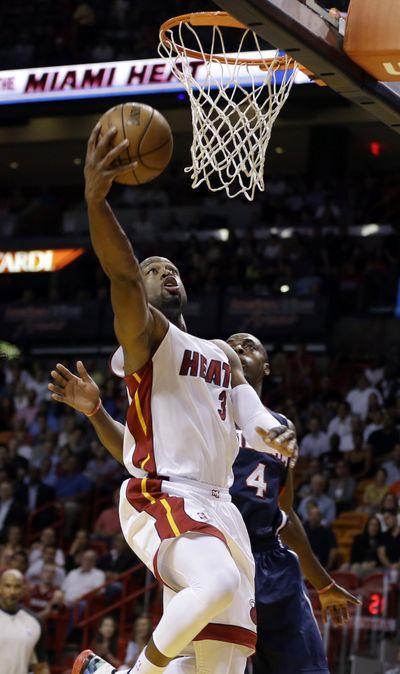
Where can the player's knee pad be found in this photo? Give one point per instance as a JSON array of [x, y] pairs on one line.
[[222, 585]]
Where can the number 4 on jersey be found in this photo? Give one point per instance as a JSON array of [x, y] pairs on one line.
[[256, 480]]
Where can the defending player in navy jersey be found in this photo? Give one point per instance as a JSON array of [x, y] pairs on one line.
[[288, 636]]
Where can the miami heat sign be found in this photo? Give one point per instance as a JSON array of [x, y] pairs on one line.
[[144, 76], [22, 261]]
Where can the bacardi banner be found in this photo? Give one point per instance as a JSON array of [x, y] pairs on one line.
[[22, 261], [144, 76]]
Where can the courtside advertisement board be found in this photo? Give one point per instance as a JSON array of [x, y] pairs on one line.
[[115, 78]]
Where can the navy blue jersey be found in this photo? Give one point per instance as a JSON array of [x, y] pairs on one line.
[[258, 481]]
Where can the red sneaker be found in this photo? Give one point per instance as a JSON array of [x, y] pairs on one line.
[[88, 662]]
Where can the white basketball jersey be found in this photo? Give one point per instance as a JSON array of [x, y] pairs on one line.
[[180, 421]]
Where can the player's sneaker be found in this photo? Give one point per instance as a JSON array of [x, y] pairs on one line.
[[88, 662]]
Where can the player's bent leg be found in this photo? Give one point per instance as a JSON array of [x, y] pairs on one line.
[[219, 657], [201, 570], [211, 657], [182, 665]]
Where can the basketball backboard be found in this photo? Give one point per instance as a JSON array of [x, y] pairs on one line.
[[312, 37]]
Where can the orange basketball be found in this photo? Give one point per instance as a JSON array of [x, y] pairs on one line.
[[150, 140]]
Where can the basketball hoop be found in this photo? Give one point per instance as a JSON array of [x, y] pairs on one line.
[[231, 128]]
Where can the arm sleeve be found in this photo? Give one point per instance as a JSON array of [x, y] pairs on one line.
[[249, 413]]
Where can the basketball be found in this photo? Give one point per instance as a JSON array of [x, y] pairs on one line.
[[150, 140]]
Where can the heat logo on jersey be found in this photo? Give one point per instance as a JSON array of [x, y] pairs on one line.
[[216, 372]]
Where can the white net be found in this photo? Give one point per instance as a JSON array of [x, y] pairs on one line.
[[234, 105]]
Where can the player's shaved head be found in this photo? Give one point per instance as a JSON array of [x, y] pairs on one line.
[[11, 589], [243, 336], [156, 259], [11, 574], [253, 356]]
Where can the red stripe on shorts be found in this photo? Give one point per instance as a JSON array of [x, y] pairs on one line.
[[139, 418], [229, 633], [157, 509]]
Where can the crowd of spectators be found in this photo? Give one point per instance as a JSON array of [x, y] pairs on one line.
[[83, 31], [262, 254]]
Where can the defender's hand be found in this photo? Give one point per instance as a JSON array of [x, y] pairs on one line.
[[80, 392], [101, 164], [335, 602], [282, 439]]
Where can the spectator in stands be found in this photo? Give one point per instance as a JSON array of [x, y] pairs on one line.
[[389, 549], [106, 641], [313, 467], [119, 559], [141, 632], [47, 537], [383, 441], [34, 494], [342, 487], [341, 425], [364, 549], [359, 458], [322, 539], [316, 442], [107, 523], [102, 467], [44, 597], [48, 557], [11, 512], [392, 466], [14, 539], [27, 413], [19, 561], [325, 504], [374, 492], [358, 397], [389, 502], [374, 422], [85, 578], [72, 488], [390, 384], [78, 546]]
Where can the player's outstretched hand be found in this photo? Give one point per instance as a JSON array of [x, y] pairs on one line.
[[102, 165], [282, 439], [336, 602], [80, 392]]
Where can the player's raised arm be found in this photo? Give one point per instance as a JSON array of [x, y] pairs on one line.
[[134, 321], [250, 414]]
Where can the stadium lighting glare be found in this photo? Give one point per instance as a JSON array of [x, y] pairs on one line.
[[369, 230], [284, 288], [223, 234]]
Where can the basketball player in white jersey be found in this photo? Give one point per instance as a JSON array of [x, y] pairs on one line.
[[186, 395]]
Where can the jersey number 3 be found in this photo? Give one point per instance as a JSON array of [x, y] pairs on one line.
[[256, 480]]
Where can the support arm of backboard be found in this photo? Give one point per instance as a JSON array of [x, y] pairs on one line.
[[302, 33]]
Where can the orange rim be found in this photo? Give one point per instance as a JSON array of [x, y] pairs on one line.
[[80, 662], [222, 19]]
